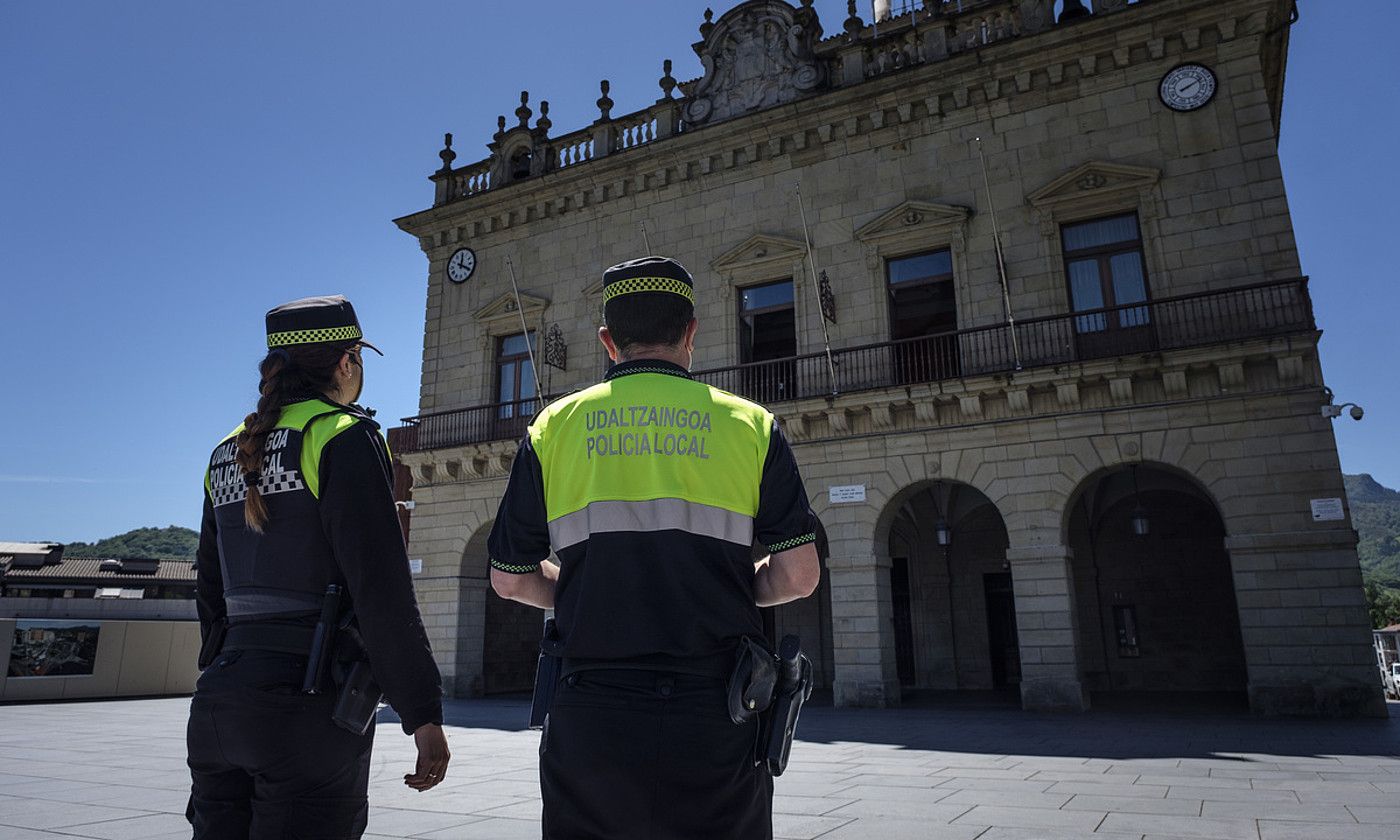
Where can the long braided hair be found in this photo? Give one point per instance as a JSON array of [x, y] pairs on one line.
[[289, 375]]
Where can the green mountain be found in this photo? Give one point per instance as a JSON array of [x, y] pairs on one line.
[[172, 543], [1375, 511]]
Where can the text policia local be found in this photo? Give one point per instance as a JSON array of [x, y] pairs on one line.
[[647, 430]]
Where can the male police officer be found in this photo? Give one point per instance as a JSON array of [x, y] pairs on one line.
[[652, 489], [298, 499]]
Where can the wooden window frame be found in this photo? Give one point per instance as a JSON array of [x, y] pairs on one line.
[[1103, 255], [502, 360]]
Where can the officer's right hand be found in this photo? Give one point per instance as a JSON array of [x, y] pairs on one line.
[[432, 757]]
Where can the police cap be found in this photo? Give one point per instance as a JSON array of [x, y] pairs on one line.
[[648, 274], [314, 320]]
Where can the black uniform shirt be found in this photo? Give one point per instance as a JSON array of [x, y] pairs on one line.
[[358, 519], [664, 594]]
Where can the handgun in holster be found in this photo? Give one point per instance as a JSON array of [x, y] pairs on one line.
[[794, 689], [359, 696], [338, 658], [546, 674]]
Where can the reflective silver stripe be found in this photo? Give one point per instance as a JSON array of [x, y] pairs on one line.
[[248, 602], [651, 515]]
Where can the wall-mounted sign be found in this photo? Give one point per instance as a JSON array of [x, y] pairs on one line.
[[845, 494], [1327, 510], [54, 648], [415, 565]]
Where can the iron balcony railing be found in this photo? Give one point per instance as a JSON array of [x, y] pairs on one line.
[[1151, 326]]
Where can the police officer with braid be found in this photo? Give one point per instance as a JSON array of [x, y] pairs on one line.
[[651, 490], [301, 561]]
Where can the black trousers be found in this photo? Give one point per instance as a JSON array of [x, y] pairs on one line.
[[267, 762], [644, 755]]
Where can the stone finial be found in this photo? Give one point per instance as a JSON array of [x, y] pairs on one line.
[[447, 154], [544, 123], [853, 23], [604, 103], [523, 113], [709, 25], [501, 124], [668, 82], [1073, 9]]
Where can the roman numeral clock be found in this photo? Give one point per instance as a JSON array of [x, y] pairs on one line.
[[461, 266]]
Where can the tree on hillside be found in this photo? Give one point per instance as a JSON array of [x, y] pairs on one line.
[[170, 543], [1383, 603]]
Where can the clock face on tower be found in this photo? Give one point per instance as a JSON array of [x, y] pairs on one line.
[[461, 266], [1187, 87]]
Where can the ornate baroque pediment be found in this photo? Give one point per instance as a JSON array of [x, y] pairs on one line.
[[1094, 180], [914, 216], [758, 55], [758, 250]]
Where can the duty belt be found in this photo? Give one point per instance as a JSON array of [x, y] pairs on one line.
[[281, 638], [718, 666]]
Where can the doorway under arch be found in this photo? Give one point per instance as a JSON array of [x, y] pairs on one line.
[[810, 619], [950, 589], [1153, 585], [510, 639]]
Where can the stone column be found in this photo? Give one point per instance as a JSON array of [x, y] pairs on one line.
[[1047, 628], [1303, 619], [862, 629]]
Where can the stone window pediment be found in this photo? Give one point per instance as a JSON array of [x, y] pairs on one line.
[[759, 252], [501, 316], [1093, 187], [915, 221]]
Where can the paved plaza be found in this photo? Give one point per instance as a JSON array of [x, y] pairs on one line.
[[115, 771]]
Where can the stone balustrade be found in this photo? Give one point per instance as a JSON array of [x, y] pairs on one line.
[[917, 33]]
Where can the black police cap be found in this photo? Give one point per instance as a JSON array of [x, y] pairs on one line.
[[648, 274], [314, 320]]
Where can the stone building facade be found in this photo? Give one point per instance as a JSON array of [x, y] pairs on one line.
[[1102, 470]]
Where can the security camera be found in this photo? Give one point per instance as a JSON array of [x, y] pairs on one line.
[[1357, 412]]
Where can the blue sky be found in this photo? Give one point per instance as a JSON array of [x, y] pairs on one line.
[[170, 170]]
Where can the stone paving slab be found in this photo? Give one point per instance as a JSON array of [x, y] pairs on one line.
[[115, 771]]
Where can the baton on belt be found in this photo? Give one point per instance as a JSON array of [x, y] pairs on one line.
[[318, 659]]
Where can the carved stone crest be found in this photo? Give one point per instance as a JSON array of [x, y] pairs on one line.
[[1092, 181], [758, 55]]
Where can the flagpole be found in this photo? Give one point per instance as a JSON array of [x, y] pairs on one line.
[[646, 240], [1001, 260], [525, 329], [812, 270]]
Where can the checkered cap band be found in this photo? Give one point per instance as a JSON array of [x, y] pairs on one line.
[[633, 285], [284, 339]]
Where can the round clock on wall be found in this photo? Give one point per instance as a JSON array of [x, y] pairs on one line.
[[1187, 87], [461, 266]]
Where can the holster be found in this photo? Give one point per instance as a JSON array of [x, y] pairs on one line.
[[546, 674], [780, 724], [752, 682], [358, 696]]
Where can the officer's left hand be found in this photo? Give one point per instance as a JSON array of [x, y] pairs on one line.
[[432, 757]]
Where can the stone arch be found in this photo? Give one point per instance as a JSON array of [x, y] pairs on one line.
[[1154, 584], [944, 545], [1083, 482], [498, 640]]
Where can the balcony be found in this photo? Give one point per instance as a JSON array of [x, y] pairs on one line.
[[1241, 313]]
